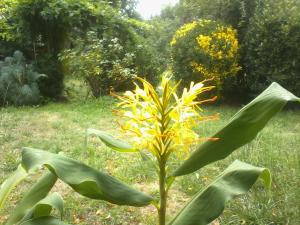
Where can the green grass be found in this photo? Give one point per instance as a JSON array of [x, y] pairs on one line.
[[61, 127]]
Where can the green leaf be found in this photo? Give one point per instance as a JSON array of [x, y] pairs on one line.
[[38, 192], [9, 184], [47, 205], [169, 181], [110, 141], [85, 180], [47, 220], [241, 129], [208, 205]]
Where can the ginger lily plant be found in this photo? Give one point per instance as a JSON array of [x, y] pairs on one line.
[[160, 122]]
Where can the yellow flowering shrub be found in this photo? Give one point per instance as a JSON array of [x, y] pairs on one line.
[[204, 49]]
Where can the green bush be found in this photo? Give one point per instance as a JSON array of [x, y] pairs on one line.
[[109, 58], [42, 29], [18, 81], [148, 61], [52, 85], [45, 28], [102, 63], [161, 34], [273, 53]]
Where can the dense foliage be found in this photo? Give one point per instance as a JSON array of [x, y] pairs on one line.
[[45, 29], [239, 46], [103, 64], [273, 53], [18, 81], [42, 29], [109, 58], [262, 57]]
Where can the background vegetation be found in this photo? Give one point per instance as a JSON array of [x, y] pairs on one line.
[[79, 51], [106, 43], [266, 31]]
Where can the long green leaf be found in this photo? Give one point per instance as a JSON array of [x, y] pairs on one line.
[[84, 179], [242, 128], [9, 184], [38, 192], [110, 141], [47, 220], [208, 205]]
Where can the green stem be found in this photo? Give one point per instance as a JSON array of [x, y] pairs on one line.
[[162, 164], [163, 193]]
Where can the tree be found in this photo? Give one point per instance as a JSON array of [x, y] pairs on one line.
[[273, 52], [42, 29]]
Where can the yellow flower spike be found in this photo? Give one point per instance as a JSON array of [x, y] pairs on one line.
[[160, 121]]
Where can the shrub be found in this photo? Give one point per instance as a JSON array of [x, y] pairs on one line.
[[18, 81], [51, 86], [109, 58], [102, 63], [147, 61], [273, 53], [204, 49], [42, 29]]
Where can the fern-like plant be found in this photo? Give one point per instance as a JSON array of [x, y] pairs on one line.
[[18, 81]]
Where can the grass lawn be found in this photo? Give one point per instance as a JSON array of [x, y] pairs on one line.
[[61, 127]]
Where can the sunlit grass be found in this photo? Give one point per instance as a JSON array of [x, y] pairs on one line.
[[61, 127]]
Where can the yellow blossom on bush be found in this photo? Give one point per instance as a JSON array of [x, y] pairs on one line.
[[182, 31], [209, 51], [214, 72], [160, 121], [219, 44], [186, 28], [199, 68], [204, 41]]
